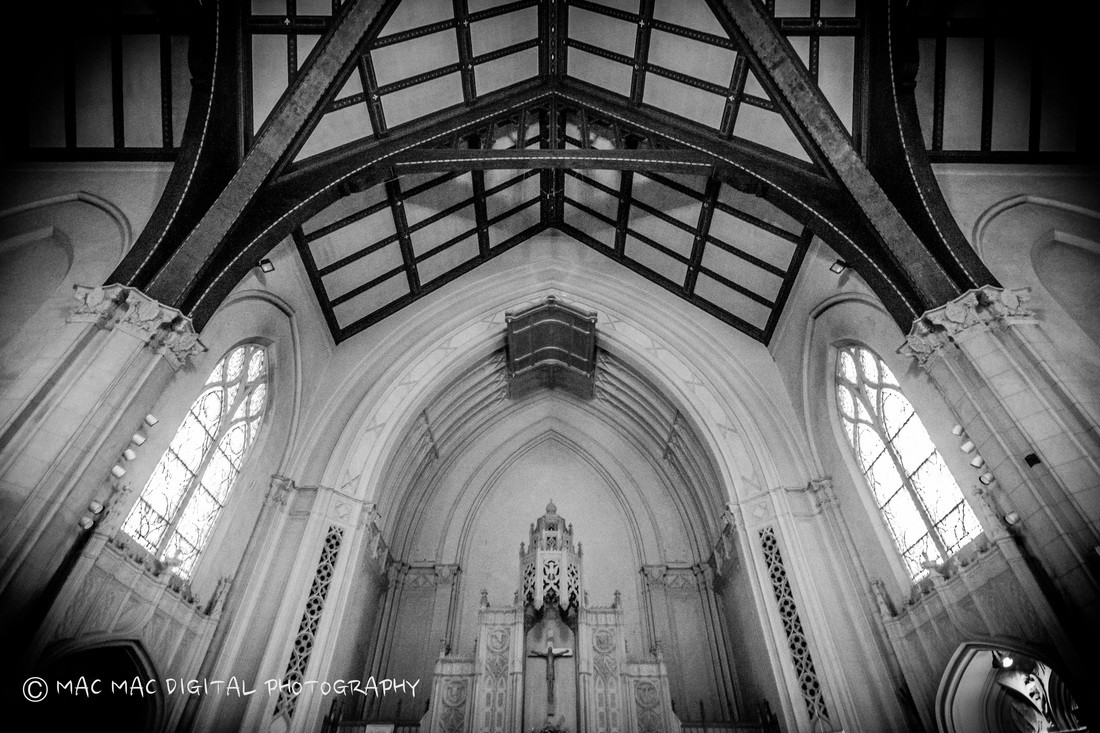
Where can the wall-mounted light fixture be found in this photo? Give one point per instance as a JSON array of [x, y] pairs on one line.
[[838, 267], [267, 265]]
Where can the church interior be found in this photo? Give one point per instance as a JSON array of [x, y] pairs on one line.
[[551, 366]]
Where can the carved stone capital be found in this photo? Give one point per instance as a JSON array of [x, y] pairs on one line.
[[96, 304], [654, 573], [822, 491], [280, 491], [444, 573], [160, 327], [370, 515], [980, 308]]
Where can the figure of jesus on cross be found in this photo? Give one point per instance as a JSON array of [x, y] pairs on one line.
[[552, 653]]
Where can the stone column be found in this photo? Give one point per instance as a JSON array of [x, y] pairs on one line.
[[223, 660], [90, 391], [1035, 433], [325, 536]]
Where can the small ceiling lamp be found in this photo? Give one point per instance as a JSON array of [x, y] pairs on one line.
[[838, 267], [267, 265]]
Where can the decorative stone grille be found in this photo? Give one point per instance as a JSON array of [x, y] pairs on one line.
[[792, 627], [307, 629]]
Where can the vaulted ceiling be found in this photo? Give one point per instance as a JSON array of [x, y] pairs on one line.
[[700, 143]]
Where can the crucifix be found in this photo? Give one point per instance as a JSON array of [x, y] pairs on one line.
[[550, 655]]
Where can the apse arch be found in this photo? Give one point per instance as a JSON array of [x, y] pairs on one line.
[[465, 412], [513, 453], [627, 557]]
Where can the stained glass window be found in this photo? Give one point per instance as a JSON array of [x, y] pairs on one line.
[[918, 497], [180, 503]]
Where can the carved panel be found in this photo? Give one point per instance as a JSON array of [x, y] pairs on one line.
[[453, 717], [648, 699], [495, 690], [605, 662]]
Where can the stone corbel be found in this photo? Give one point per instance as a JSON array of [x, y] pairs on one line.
[[729, 518], [809, 497], [723, 550], [822, 491], [280, 491], [163, 329], [981, 308], [370, 516], [394, 572]]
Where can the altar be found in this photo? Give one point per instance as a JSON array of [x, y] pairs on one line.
[[550, 662]]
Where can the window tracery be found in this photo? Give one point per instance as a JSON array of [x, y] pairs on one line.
[[181, 501], [919, 499]]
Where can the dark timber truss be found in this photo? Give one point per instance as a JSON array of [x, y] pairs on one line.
[[720, 219]]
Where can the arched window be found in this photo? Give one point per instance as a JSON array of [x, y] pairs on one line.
[[913, 488], [180, 503]]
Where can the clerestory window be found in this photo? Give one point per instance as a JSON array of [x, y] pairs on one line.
[[189, 487], [919, 499]]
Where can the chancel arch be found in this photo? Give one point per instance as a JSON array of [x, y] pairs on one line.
[[742, 425], [669, 451]]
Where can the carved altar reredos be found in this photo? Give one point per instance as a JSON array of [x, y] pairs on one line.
[[550, 638]]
